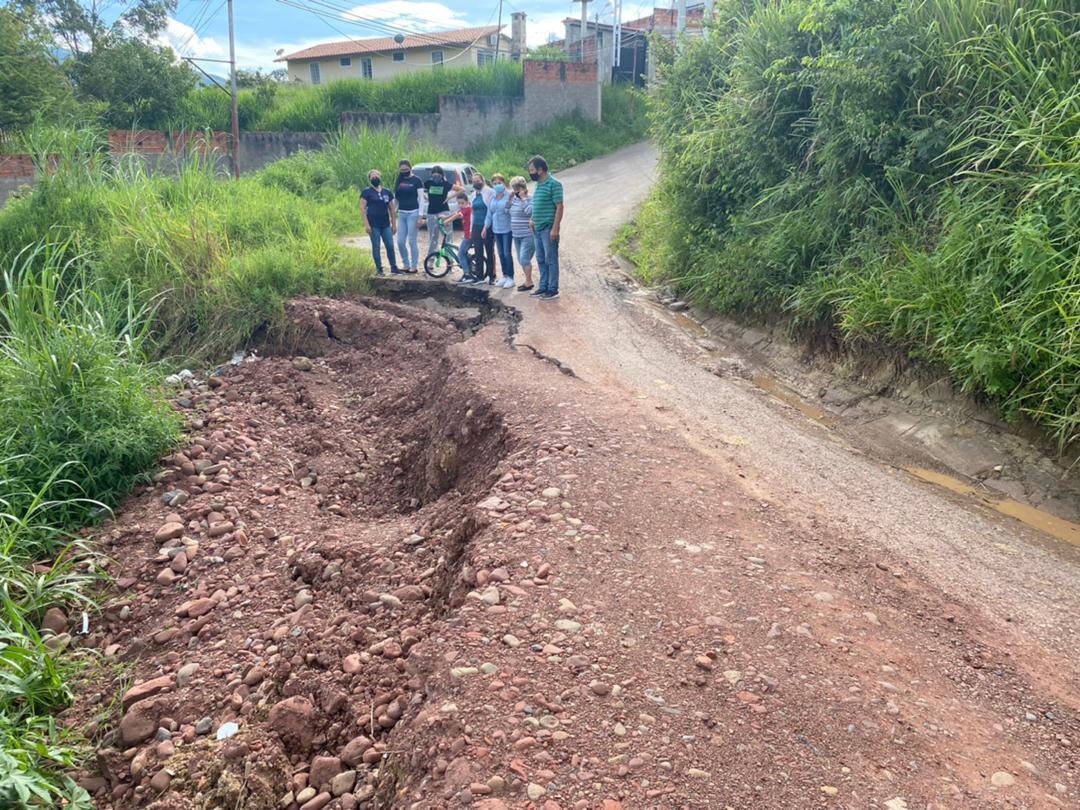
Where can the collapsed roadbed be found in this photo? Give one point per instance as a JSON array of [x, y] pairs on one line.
[[397, 568]]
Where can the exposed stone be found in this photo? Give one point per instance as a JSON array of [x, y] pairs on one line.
[[293, 719]]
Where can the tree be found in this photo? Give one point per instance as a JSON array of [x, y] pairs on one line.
[[84, 27], [549, 52], [31, 82], [138, 85], [114, 63]]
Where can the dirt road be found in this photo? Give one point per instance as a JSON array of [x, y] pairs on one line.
[[556, 562]]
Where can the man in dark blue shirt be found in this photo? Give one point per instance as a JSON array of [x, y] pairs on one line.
[[380, 220]]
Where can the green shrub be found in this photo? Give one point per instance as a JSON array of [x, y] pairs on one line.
[[297, 108], [74, 387], [35, 752], [903, 168], [181, 242]]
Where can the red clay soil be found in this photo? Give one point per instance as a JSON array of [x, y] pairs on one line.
[[418, 571]]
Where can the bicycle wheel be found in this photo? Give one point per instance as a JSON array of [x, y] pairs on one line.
[[436, 265]]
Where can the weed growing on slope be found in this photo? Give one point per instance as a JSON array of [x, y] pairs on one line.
[[903, 168]]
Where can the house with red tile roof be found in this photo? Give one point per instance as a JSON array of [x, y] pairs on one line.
[[386, 57]]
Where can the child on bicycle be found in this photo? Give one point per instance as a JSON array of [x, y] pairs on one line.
[[464, 213]]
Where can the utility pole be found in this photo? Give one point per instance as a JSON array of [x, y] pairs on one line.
[[616, 57], [682, 16], [235, 110], [498, 34], [584, 27]]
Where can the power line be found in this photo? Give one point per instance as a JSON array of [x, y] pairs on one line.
[[344, 15], [197, 29], [374, 25]]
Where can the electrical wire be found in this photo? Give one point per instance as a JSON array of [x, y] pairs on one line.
[[196, 31], [194, 24], [380, 26], [329, 11]]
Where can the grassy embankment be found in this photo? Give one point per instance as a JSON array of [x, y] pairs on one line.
[[301, 108], [111, 278], [905, 170]]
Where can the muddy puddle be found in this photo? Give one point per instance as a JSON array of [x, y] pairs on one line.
[[1054, 526], [1035, 518], [777, 390]]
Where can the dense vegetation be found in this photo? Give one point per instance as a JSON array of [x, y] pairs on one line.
[[96, 63], [110, 277], [904, 169], [287, 107]]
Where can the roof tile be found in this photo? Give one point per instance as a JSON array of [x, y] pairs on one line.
[[353, 47]]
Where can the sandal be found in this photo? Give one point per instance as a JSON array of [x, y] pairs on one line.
[[524, 287]]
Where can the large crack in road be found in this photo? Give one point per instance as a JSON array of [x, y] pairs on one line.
[[433, 572]]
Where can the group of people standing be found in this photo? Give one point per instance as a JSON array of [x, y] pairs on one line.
[[497, 220]]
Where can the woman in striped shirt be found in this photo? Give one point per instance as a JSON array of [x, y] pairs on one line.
[[521, 229]]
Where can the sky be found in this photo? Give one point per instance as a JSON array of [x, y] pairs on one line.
[[199, 28]]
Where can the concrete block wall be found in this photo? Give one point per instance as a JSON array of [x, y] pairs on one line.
[[259, 149], [555, 89], [552, 89]]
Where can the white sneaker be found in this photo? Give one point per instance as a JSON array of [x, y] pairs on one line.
[[506, 283]]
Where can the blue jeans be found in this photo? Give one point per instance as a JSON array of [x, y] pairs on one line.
[[386, 236], [504, 243], [407, 225], [463, 254], [547, 258]]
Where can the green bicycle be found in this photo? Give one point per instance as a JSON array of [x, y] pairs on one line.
[[442, 261]]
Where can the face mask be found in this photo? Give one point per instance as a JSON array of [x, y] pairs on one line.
[[499, 188], [436, 178], [405, 173], [478, 185], [375, 181], [534, 175]]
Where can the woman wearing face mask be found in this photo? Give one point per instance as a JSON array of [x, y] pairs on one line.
[[483, 244], [378, 210], [521, 230], [497, 222], [408, 187]]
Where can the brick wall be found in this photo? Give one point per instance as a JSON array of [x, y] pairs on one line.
[[16, 166], [15, 171], [562, 72], [552, 89], [165, 152]]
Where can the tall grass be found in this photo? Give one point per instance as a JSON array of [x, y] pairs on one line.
[[75, 388], [906, 169], [218, 259], [80, 419], [298, 108], [35, 752]]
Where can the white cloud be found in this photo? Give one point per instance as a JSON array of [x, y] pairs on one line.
[[183, 39], [539, 28], [413, 15], [249, 55]]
